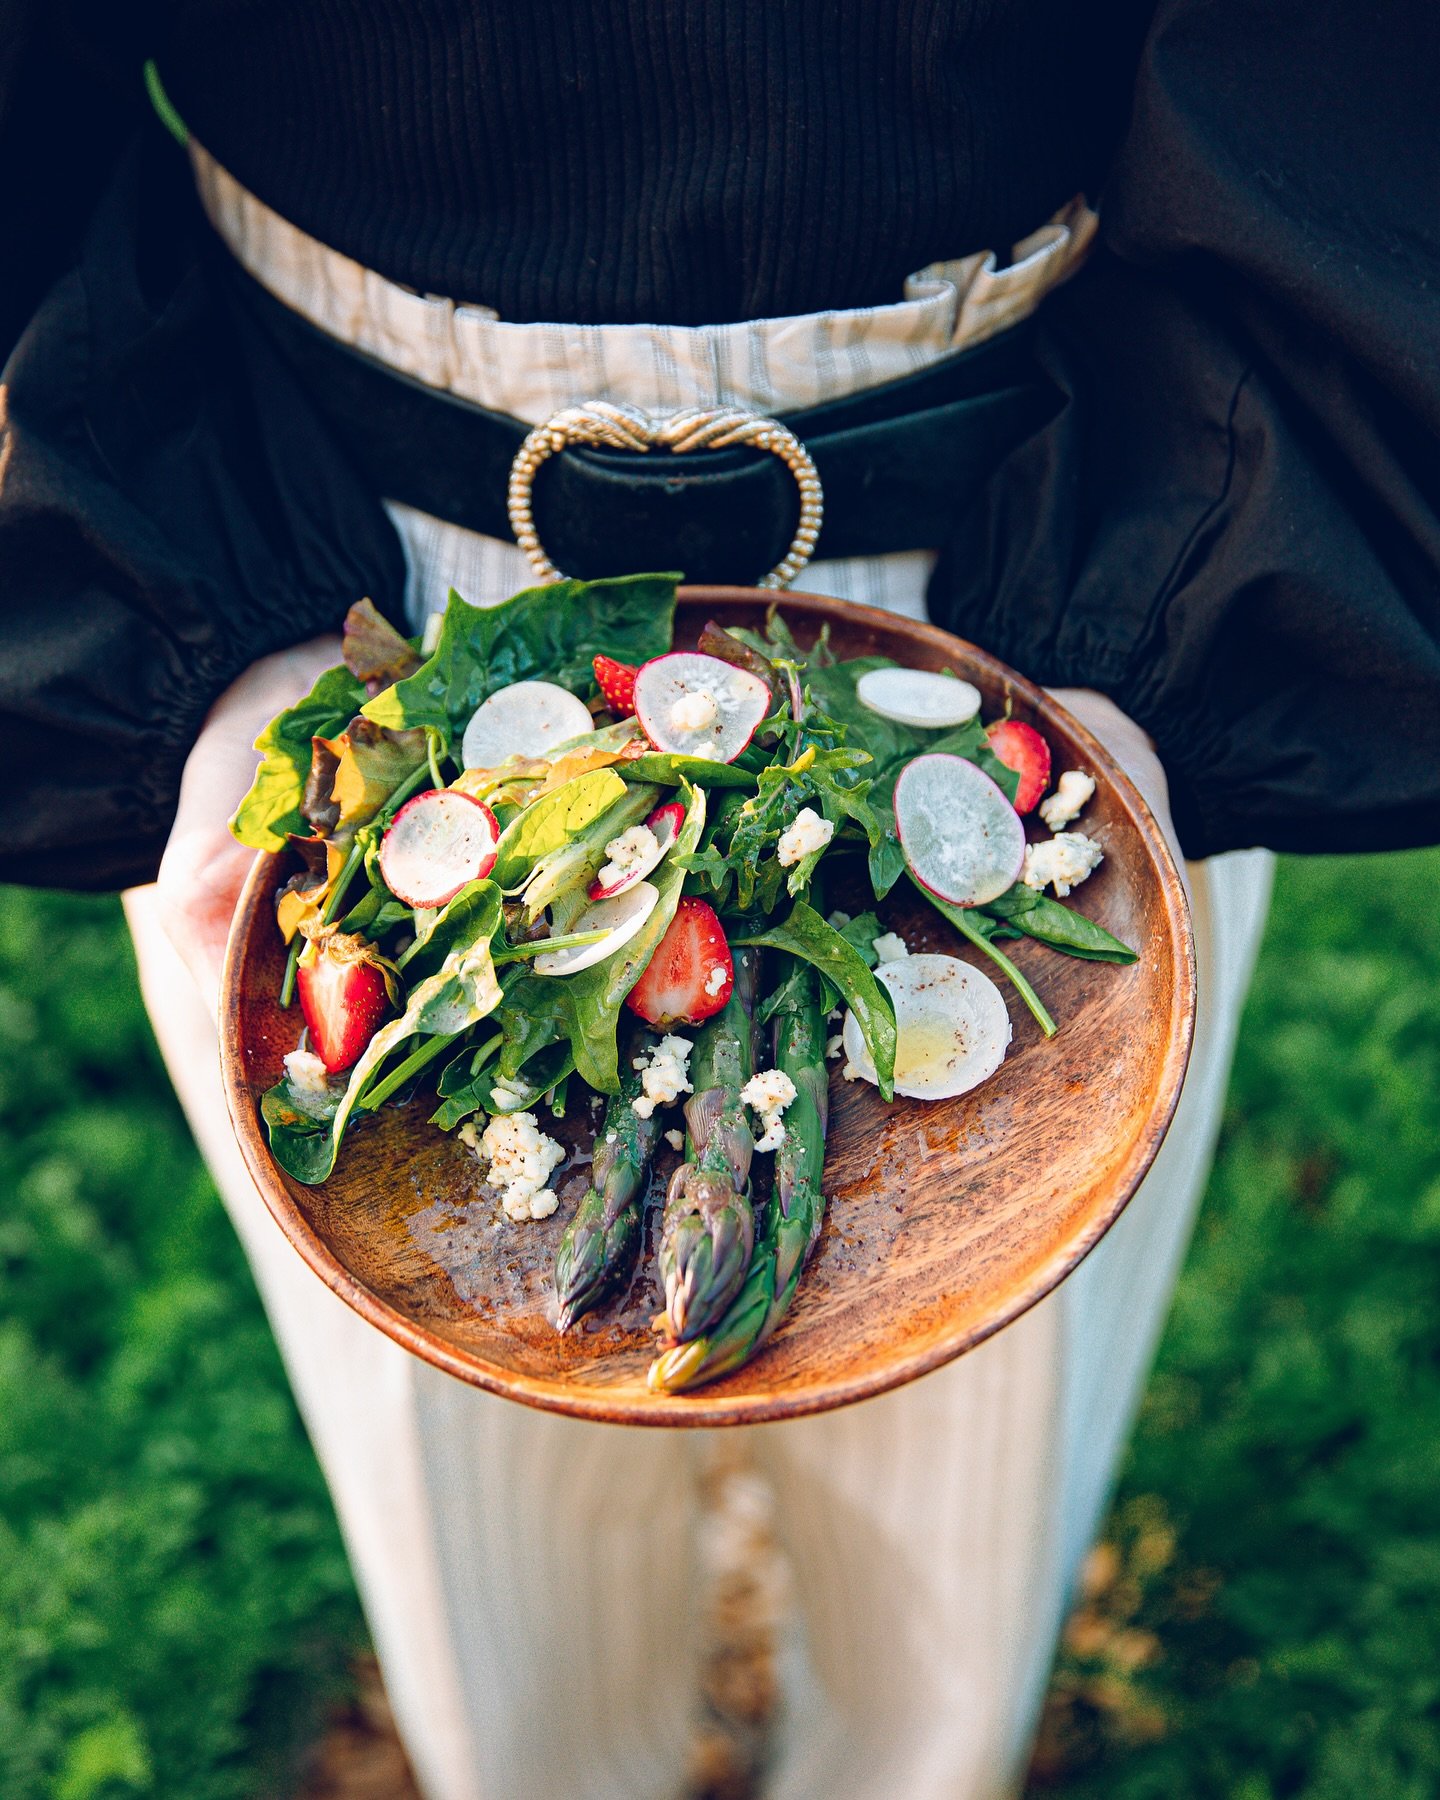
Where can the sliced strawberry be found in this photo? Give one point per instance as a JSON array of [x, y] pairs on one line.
[[691, 974], [1021, 748], [343, 997], [617, 684]]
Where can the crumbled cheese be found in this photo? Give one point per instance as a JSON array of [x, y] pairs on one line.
[[851, 1073], [306, 1072], [715, 980], [809, 832], [1072, 792], [664, 1076], [839, 919], [510, 1096], [833, 1046], [769, 1092], [675, 1139], [633, 849], [521, 1160], [1063, 862], [694, 711], [890, 947]]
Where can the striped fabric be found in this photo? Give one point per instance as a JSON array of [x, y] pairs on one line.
[[532, 370], [531, 1582]]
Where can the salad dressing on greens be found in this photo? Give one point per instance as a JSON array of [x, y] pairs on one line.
[[486, 935]]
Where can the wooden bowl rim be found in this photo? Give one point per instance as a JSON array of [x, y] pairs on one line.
[[701, 1409]]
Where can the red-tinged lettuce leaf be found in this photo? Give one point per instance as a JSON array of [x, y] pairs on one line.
[[374, 650]]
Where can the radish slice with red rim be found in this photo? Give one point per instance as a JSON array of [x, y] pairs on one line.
[[528, 718], [436, 844], [619, 917], [918, 697], [695, 705], [640, 850], [952, 1027], [962, 838]]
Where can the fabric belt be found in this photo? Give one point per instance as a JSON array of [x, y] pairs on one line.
[[897, 463]]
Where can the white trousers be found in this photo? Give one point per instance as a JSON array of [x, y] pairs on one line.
[[530, 1581]]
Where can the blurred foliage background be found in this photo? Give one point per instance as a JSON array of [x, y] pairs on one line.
[[1262, 1620]]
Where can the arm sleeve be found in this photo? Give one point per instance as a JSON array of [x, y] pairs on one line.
[[170, 510], [1231, 523]]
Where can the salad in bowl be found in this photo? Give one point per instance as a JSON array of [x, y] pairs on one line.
[[545, 862]]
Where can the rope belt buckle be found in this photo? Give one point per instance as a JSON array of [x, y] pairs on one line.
[[608, 425]]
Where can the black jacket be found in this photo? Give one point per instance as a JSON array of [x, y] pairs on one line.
[[1231, 521]]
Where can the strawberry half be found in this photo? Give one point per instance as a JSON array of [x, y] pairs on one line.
[[1021, 748], [343, 995], [691, 974], [617, 684]]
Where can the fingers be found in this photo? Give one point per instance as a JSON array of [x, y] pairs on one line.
[[1133, 749], [203, 868]]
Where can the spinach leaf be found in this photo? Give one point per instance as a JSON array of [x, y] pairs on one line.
[[550, 822], [670, 769], [271, 809], [982, 931], [807, 935], [1035, 914], [551, 633]]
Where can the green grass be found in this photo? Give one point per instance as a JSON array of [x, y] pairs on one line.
[[174, 1602], [1267, 1622], [174, 1605]]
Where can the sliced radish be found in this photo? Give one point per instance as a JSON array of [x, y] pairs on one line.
[[437, 843], [619, 917], [918, 697], [961, 837], [642, 849], [528, 718], [952, 1029], [694, 705]]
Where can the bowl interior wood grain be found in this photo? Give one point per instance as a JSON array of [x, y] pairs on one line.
[[945, 1220]]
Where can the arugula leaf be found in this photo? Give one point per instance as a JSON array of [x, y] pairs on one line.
[[551, 633], [272, 808], [807, 935], [549, 823], [1046, 920]]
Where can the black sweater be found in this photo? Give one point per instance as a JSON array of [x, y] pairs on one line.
[[1230, 520]]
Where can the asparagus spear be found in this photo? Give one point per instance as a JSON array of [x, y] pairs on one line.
[[597, 1254], [791, 1221], [707, 1233]]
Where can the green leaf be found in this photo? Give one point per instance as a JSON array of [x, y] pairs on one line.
[[551, 633], [669, 770], [587, 1004], [550, 823], [1046, 920], [461, 993], [271, 809], [807, 935], [471, 913]]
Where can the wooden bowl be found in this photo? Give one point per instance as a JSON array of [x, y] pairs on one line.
[[946, 1220]]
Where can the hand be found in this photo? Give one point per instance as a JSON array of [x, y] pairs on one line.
[[203, 868], [1133, 749]]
